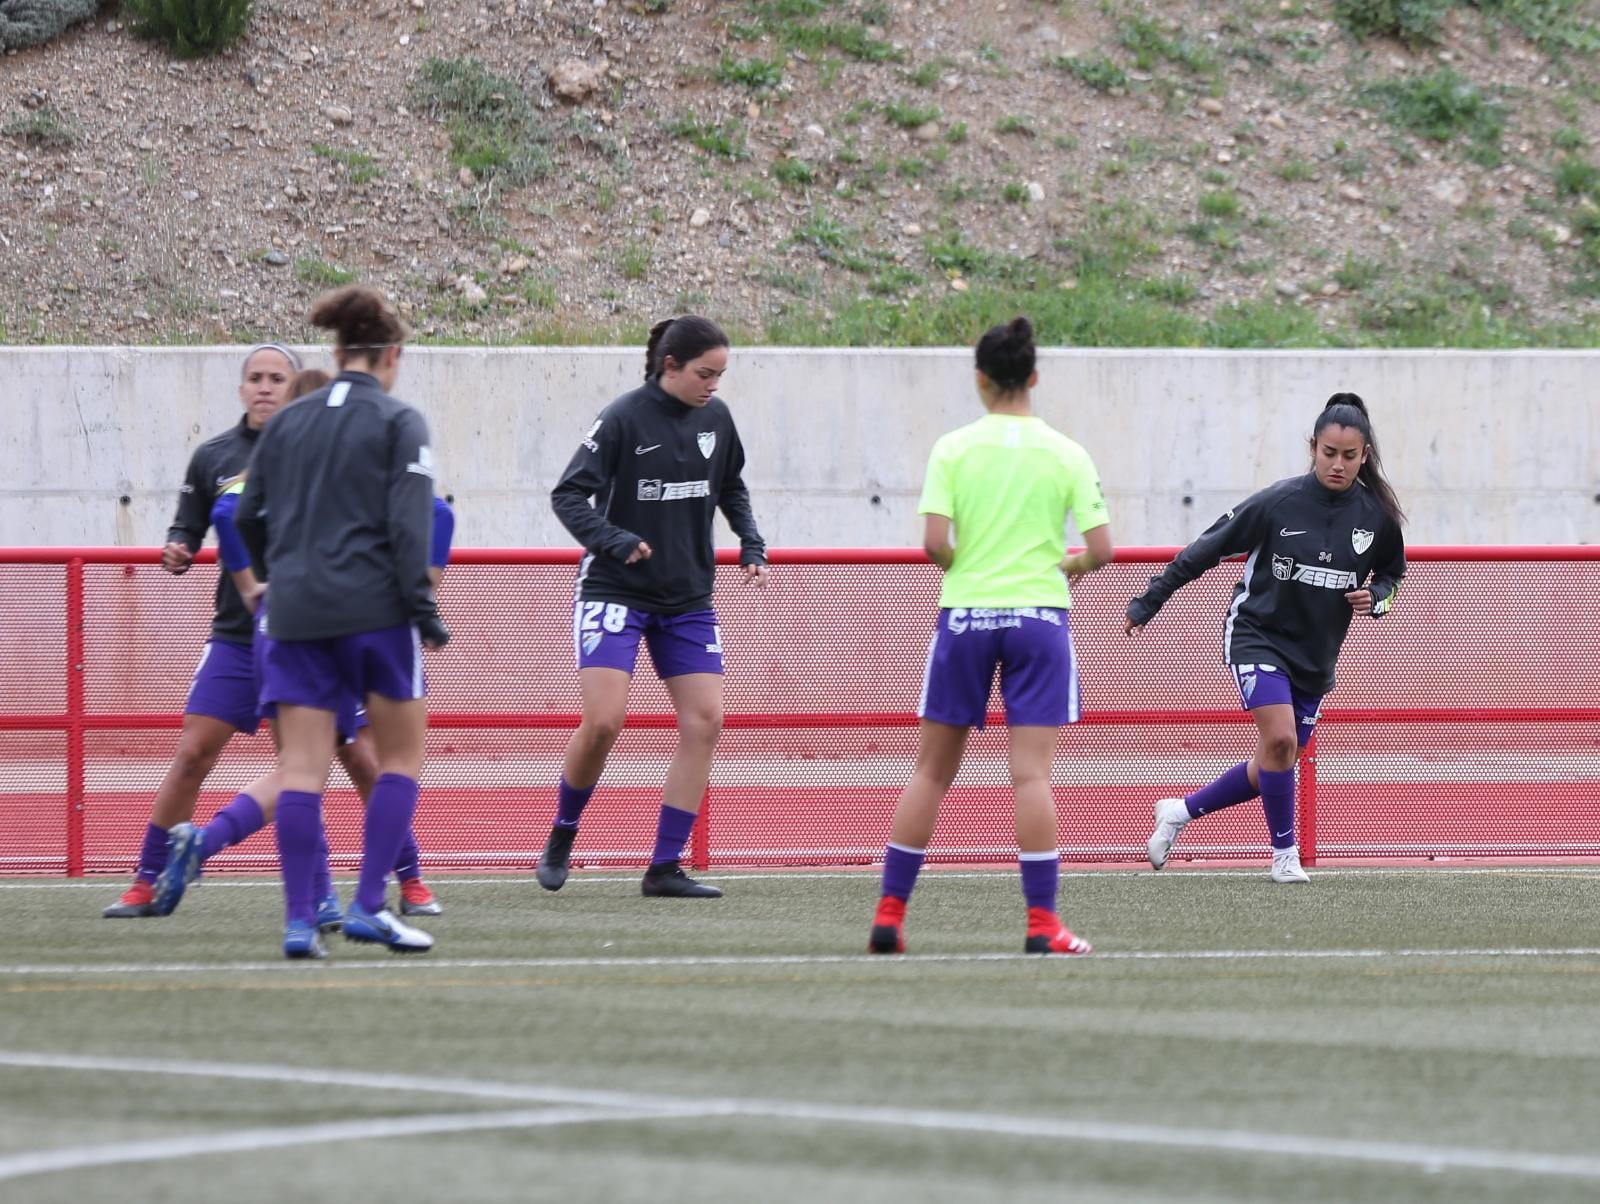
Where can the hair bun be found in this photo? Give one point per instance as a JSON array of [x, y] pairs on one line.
[[1346, 399]]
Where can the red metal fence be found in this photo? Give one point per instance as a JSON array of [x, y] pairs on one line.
[[1467, 723]]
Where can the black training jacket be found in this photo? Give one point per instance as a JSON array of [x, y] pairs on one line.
[[657, 470], [1308, 547], [338, 510], [215, 462]]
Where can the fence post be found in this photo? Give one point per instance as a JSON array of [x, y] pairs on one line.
[[74, 699], [700, 834], [1306, 802]]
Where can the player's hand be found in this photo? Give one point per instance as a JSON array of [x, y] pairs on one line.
[[1360, 601], [756, 574], [1129, 627], [176, 558], [642, 552], [252, 598], [433, 631]]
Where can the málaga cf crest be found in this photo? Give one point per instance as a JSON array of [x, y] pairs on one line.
[[708, 442], [1361, 539]]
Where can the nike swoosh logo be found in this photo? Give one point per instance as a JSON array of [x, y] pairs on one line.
[[1286, 531], [639, 451]]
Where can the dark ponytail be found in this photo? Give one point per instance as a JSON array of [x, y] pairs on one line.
[[1347, 409], [684, 339], [1006, 355], [361, 317]]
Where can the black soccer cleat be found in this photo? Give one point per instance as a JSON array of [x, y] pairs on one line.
[[668, 881], [556, 858]]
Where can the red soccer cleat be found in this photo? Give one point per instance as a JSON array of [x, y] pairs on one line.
[[134, 904], [887, 933], [417, 900], [1047, 934]]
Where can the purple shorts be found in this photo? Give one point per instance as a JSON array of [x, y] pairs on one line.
[[322, 673], [350, 716], [605, 635], [1031, 646], [225, 686], [1268, 685]]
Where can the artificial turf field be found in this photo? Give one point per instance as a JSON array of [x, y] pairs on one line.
[[1380, 1035]]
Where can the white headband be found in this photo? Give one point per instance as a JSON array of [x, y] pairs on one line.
[[294, 360]]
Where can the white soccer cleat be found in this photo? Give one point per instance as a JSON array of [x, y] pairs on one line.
[[1172, 817], [1286, 865]]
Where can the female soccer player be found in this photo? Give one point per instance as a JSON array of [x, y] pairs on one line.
[[996, 500], [659, 461], [253, 808], [222, 699], [337, 516], [1323, 547]]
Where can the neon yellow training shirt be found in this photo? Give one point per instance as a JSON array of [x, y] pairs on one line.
[[1007, 483]]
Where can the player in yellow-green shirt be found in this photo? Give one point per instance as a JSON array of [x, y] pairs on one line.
[[995, 506]]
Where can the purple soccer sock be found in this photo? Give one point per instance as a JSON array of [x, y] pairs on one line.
[[233, 823], [901, 865], [1277, 800], [1041, 874], [322, 873], [1232, 787], [299, 826], [389, 810], [408, 862], [152, 854], [570, 802], [672, 831]]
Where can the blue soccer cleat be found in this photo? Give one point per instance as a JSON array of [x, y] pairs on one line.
[[329, 914], [301, 940], [184, 843], [381, 927]]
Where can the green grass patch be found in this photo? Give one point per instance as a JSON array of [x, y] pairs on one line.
[[1222, 204], [635, 259], [1294, 170], [45, 126], [1576, 176], [1093, 70], [359, 167], [1150, 42], [928, 74], [815, 26], [756, 74], [1444, 106], [725, 139], [1356, 275], [494, 131], [908, 114], [318, 273], [794, 173], [1416, 22], [1013, 124]]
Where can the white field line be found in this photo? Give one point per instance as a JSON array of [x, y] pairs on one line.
[[244, 1141], [446, 882], [862, 960], [588, 1106]]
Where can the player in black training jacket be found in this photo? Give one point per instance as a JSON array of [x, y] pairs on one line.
[[658, 462], [1322, 547]]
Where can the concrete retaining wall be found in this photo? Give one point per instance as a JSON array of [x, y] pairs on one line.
[[1483, 447]]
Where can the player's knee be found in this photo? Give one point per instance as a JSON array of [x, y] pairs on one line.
[[1279, 751], [193, 760], [600, 731], [361, 763], [700, 726]]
